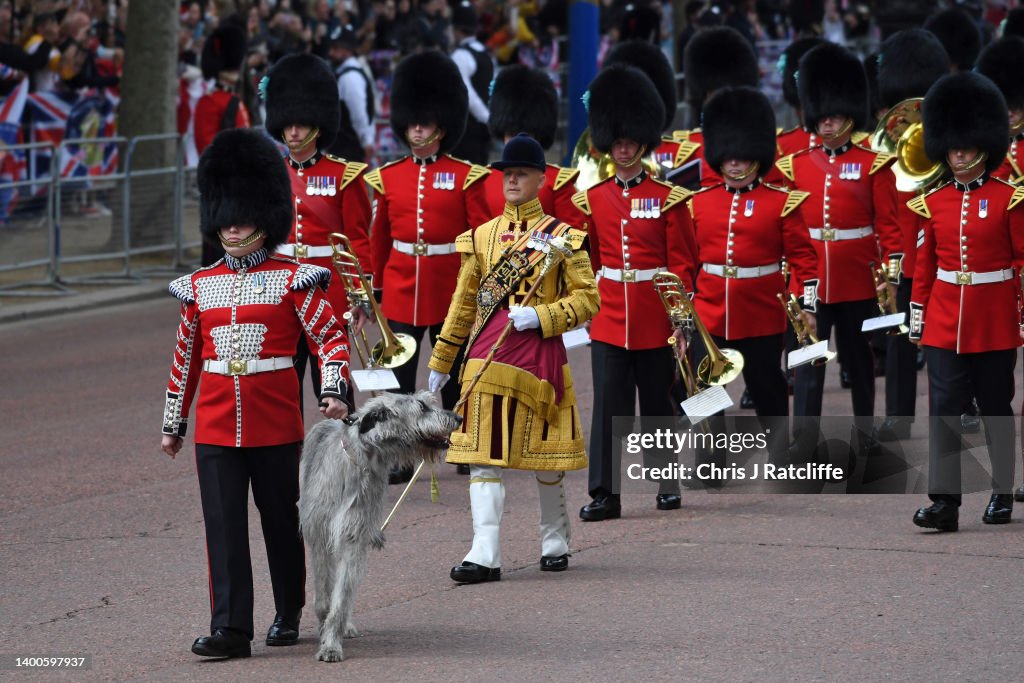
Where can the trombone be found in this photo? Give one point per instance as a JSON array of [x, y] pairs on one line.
[[803, 333], [720, 366], [393, 350]]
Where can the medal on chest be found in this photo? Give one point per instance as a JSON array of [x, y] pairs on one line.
[[748, 208], [444, 181], [982, 208], [644, 207], [258, 282], [849, 171]]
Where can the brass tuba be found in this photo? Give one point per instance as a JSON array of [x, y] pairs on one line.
[[595, 167], [720, 366], [901, 132], [393, 349]]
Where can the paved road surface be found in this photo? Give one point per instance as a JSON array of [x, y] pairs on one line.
[[101, 553]]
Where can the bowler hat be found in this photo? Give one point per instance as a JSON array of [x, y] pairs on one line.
[[522, 151]]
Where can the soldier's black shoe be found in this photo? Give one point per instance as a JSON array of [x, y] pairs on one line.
[[283, 631], [470, 572], [746, 403], [939, 515], [999, 508], [601, 508], [400, 475], [462, 469], [554, 564], [1018, 495], [223, 642], [893, 429], [669, 501]]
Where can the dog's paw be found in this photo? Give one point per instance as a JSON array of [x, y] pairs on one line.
[[350, 631], [328, 653], [377, 540]]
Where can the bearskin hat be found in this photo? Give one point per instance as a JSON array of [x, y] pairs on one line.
[[962, 111], [224, 50], [300, 89], [789, 62], [909, 63], [243, 181], [1003, 62], [717, 58], [624, 104], [427, 88], [832, 82], [958, 34], [806, 16], [653, 62], [639, 22], [739, 123], [524, 100]]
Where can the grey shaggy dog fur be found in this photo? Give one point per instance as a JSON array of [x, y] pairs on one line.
[[344, 480]]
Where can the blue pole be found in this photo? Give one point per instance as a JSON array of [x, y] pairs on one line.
[[583, 44]]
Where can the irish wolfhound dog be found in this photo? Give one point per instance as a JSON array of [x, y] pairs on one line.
[[344, 477]]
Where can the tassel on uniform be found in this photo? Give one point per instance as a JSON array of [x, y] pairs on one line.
[[435, 490]]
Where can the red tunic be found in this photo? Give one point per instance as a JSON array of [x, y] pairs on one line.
[[976, 229], [246, 310], [318, 213], [427, 203], [1010, 169], [849, 189], [756, 226], [632, 315], [555, 196], [209, 116], [795, 140]]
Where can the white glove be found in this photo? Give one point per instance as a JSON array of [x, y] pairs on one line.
[[524, 318], [437, 380]]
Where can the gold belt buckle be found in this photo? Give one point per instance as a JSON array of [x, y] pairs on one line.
[[828, 234], [730, 271], [237, 367], [628, 275], [301, 250], [964, 278], [419, 249]]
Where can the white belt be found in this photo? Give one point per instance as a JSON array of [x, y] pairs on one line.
[[832, 234], [304, 251], [740, 272], [247, 367], [630, 274], [423, 249], [956, 277]]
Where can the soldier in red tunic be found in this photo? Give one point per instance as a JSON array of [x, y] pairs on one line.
[[327, 192], [965, 303], [524, 100], [637, 227], [849, 213], [796, 138], [744, 228], [1001, 62], [240, 323], [714, 58], [909, 63]]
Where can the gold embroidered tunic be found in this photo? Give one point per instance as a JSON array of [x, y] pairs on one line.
[[515, 418]]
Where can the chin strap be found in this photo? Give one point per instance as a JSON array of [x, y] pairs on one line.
[[751, 170], [295, 147], [256, 235], [434, 137]]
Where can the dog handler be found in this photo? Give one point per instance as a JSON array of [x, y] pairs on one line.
[[522, 414], [241, 319]]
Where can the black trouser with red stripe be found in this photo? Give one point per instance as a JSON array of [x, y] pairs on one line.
[[224, 476], [953, 376], [619, 376], [901, 363]]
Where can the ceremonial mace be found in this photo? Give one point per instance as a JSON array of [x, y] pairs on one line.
[[555, 249]]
